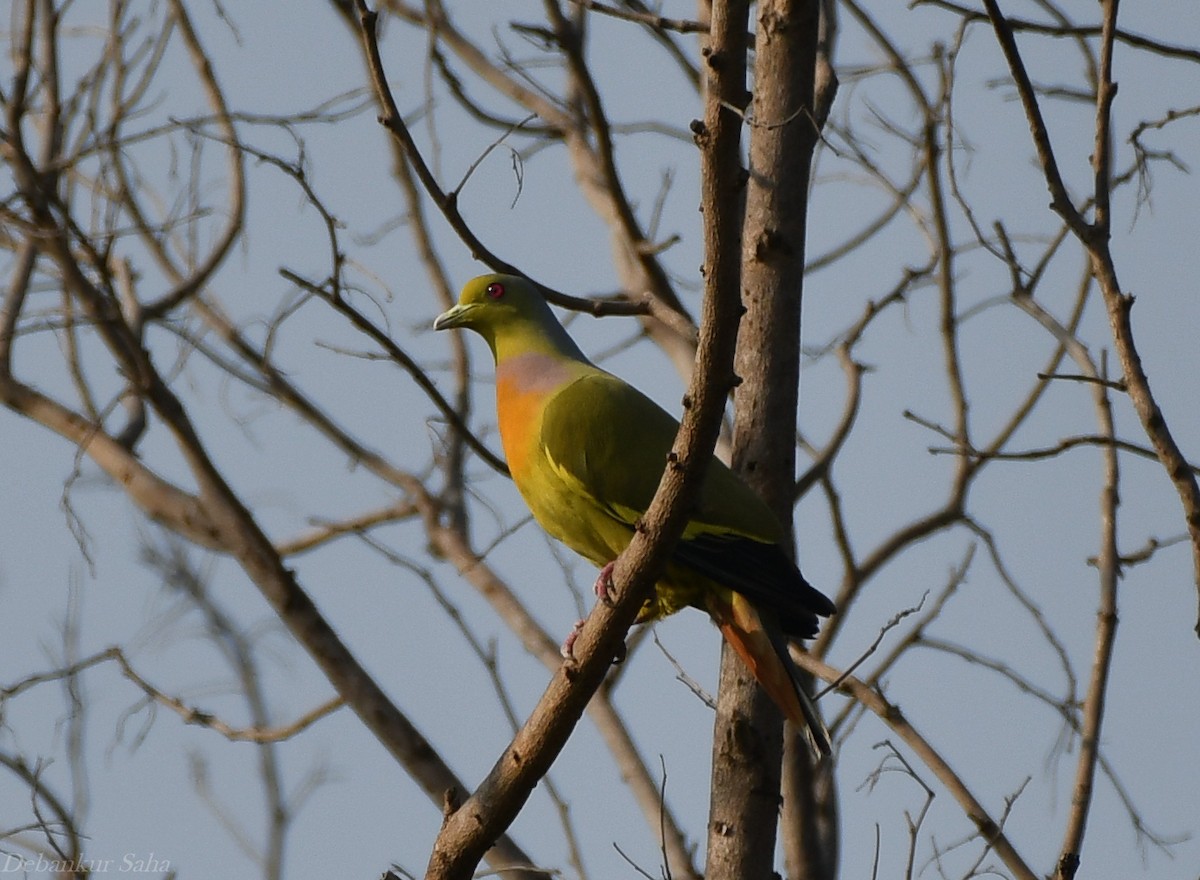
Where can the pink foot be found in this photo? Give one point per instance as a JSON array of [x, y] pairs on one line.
[[568, 646], [604, 584]]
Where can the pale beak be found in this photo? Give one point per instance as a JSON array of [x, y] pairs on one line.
[[454, 317]]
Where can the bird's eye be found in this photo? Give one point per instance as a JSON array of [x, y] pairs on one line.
[[495, 290]]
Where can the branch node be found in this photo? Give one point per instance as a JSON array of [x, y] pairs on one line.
[[451, 801]]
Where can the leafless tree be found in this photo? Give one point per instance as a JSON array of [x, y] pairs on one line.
[[890, 197]]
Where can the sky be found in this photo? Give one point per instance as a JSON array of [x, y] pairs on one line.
[[172, 797]]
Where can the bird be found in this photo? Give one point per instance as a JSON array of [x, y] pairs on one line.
[[586, 451]]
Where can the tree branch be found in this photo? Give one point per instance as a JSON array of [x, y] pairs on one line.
[[1095, 238], [987, 827]]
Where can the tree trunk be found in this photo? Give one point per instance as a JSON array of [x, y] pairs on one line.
[[748, 739]]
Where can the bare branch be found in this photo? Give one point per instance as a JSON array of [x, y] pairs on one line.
[[193, 715], [1139, 41], [650, 19], [889, 713], [397, 354], [1095, 238]]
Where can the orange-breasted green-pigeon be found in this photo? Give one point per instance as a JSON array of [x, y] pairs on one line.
[[587, 450]]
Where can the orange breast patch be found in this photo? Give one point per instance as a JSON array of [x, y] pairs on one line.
[[519, 414]]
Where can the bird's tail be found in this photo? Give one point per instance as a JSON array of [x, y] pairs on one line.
[[762, 646]]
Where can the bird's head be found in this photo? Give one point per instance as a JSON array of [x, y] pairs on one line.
[[510, 313]]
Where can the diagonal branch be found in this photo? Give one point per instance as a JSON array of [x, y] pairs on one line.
[[1065, 29], [1060, 200], [987, 827], [447, 202], [401, 357], [469, 830], [453, 545], [1095, 239]]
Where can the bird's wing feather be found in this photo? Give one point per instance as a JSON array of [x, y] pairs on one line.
[[614, 442], [762, 573], [611, 441]]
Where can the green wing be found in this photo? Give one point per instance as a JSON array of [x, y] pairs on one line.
[[614, 441], [606, 439]]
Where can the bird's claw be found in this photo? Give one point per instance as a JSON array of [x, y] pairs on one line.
[[568, 646], [604, 586], [605, 591]]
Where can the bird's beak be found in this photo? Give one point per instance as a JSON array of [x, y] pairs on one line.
[[454, 317]]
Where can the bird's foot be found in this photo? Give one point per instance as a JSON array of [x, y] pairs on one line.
[[568, 646], [604, 586]]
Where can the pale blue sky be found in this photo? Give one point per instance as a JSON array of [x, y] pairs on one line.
[[366, 813]]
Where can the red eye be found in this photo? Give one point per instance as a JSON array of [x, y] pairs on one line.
[[495, 290]]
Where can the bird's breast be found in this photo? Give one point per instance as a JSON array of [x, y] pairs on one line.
[[519, 414], [524, 385]]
